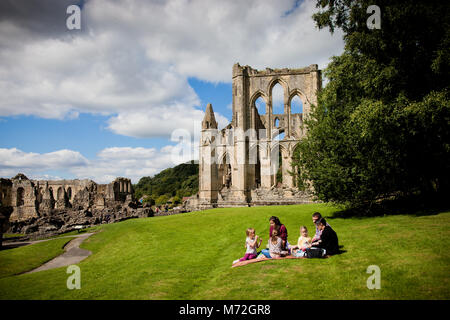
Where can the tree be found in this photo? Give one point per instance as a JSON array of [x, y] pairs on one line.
[[176, 200], [149, 200], [380, 129], [162, 200]]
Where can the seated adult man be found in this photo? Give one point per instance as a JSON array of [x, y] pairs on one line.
[[328, 242], [316, 216]]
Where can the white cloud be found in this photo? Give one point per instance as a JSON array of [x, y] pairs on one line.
[[205, 38], [133, 58], [110, 163], [133, 163], [55, 77], [15, 158], [124, 153], [161, 121]]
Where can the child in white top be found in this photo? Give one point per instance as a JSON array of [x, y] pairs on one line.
[[252, 242], [303, 243], [275, 244]]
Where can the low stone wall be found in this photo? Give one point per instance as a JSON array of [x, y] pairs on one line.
[[259, 197]]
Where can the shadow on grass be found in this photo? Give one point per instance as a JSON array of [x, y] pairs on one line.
[[341, 251], [406, 206], [7, 246]]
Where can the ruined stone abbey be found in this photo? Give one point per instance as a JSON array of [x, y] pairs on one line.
[[238, 164], [30, 198], [38, 206]]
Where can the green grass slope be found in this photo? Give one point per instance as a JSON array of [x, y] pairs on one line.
[[188, 256], [26, 258]]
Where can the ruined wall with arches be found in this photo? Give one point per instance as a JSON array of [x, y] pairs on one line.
[[34, 198], [240, 164], [251, 84]]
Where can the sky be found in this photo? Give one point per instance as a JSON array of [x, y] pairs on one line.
[[113, 98]]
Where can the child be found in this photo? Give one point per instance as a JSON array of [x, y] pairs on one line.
[[303, 243], [251, 244], [275, 244]]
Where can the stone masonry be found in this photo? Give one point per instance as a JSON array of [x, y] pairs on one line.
[[41, 206], [239, 163]]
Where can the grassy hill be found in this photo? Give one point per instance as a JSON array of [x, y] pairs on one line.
[[188, 256], [180, 181]]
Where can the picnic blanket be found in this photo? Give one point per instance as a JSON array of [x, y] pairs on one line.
[[243, 263]]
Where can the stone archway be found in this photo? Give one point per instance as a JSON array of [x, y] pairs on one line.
[[224, 172]]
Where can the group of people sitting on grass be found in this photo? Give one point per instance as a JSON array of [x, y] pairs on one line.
[[324, 243]]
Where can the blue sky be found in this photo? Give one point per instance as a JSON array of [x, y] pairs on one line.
[[104, 101]]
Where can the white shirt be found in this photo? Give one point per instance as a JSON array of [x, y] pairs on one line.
[[249, 248]]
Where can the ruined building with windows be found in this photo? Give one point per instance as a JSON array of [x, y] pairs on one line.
[[29, 206], [240, 164]]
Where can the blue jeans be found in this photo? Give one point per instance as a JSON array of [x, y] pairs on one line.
[[300, 253], [266, 253]]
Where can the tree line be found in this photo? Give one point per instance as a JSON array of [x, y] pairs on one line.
[[381, 128]]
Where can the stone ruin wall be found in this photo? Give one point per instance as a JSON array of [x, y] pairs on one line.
[[42, 206], [227, 177]]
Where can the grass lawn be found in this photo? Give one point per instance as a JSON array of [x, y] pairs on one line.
[[26, 258], [188, 256]]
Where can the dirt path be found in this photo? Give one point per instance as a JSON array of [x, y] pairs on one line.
[[16, 244], [73, 254]]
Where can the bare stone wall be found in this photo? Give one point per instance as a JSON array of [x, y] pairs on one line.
[[40, 205]]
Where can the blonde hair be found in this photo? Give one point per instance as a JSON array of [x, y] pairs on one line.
[[249, 230], [303, 227]]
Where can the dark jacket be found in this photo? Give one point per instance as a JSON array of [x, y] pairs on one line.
[[329, 241]]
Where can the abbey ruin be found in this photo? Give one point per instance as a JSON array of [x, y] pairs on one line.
[[38, 206], [238, 164]]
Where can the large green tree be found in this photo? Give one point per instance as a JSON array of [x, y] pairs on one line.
[[381, 127]]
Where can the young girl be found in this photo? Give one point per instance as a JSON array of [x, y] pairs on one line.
[[251, 244], [275, 244], [275, 223], [303, 243]]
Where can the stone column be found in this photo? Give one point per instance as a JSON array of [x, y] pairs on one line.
[[264, 156], [286, 168]]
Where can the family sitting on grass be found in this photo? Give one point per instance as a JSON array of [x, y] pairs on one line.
[[323, 244]]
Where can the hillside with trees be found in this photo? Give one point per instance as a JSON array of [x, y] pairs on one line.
[[171, 184]]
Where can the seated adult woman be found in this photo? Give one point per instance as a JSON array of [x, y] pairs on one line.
[[283, 234]]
